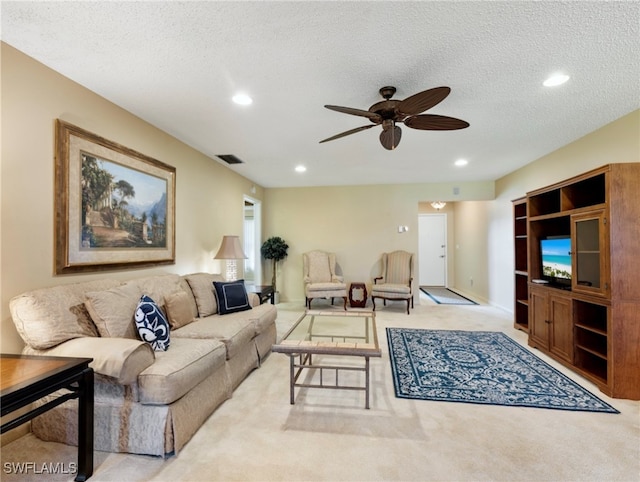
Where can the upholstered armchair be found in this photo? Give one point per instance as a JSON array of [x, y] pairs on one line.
[[396, 280], [320, 278]]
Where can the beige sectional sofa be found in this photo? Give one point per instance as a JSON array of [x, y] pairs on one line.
[[146, 402]]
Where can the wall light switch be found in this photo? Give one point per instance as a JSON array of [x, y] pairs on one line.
[[403, 229]]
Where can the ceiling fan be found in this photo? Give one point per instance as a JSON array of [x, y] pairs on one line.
[[408, 111]]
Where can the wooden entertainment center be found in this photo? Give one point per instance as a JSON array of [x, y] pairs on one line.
[[590, 322]]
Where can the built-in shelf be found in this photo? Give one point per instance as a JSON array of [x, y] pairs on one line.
[[589, 328], [588, 325], [521, 272]]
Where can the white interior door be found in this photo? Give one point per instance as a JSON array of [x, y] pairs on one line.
[[432, 251]]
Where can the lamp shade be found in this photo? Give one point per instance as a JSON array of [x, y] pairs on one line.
[[230, 249]]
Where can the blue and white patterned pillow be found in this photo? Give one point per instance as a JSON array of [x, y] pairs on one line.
[[152, 324]]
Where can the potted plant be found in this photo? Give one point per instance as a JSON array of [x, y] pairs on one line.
[[275, 249]]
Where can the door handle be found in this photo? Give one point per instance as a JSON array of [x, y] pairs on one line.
[[442, 255]]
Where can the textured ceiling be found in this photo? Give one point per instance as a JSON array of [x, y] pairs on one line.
[[177, 65]]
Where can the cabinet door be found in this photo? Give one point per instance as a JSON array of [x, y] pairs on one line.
[[538, 319], [561, 327], [590, 253]]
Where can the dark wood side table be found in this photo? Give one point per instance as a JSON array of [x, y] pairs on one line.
[[264, 292], [358, 295], [25, 379]]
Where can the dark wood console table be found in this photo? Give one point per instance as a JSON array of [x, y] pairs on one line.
[[25, 379], [264, 292]]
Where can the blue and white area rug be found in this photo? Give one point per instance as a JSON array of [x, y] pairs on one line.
[[480, 367], [444, 296]]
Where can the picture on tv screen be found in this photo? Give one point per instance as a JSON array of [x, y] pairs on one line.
[[556, 257]]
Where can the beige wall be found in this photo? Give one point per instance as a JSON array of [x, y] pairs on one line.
[[209, 196], [471, 263], [358, 223]]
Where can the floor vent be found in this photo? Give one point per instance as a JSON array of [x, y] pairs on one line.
[[230, 159]]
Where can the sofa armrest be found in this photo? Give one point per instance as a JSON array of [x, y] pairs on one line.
[[119, 358], [254, 300]]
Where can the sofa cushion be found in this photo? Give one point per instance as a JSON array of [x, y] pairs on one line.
[[159, 287], [312, 287], [262, 317], [201, 285], [178, 308], [47, 317], [184, 286], [178, 370], [119, 358], [112, 310], [390, 289], [235, 330], [231, 296], [152, 325]]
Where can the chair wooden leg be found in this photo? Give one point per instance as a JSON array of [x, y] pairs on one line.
[[345, 302], [407, 306], [373, 300]]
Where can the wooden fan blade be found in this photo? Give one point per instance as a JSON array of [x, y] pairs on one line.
[[432, 122], [390, 138], [346, 133], [422, 101], [363, 113]]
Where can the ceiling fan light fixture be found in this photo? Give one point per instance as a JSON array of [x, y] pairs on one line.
[[438, 205], [387, 124], [555, 80], [389, 112]]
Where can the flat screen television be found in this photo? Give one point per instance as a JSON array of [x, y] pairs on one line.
[[556, 258]]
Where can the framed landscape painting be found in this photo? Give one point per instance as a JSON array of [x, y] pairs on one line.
[[115, 207]]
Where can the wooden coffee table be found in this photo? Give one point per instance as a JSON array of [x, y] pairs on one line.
[[25, 379], [338, 333]]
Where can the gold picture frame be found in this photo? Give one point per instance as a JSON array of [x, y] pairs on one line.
[[114, 207]]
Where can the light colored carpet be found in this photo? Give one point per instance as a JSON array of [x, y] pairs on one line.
[[328, 435]]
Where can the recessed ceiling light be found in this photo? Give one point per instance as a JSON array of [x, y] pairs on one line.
[[555, 79], [300, 168], [242, 99], [461, 162]]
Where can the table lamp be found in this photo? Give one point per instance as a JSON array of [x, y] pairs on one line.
[[230, 250]]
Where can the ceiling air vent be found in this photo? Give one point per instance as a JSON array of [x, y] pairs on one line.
[[230, 159]]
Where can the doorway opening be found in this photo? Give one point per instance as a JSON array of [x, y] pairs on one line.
[[251, 240]]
